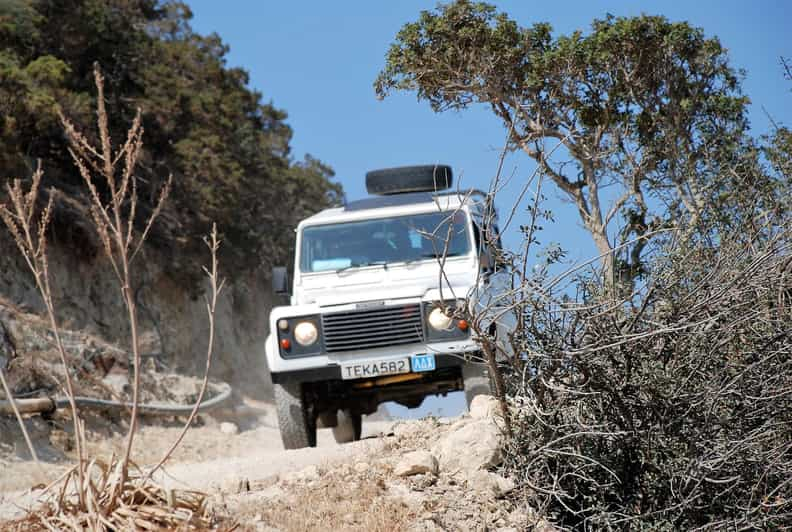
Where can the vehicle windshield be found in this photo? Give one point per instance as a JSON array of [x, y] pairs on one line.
[[383, 241]]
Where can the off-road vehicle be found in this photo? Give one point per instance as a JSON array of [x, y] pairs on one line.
[[378, 303]]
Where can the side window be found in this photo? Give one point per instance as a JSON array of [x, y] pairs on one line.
[[496, 247], [477, 237], [484, 254], [490, 246]]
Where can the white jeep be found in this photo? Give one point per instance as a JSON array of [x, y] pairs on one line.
[[379, 300]]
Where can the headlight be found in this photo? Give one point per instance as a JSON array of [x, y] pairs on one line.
[[306, 333], [439, 321]]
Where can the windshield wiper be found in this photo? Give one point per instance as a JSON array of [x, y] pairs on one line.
[[382, 263], [426, 256], [438, 255]]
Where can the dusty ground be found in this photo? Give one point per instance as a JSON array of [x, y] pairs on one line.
[[256, 485], [254, 442]]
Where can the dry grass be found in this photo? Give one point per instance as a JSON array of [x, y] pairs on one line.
[[140, 504], [331, 503]]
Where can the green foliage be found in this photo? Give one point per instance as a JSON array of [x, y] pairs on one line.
[[646, 107], [228, 152], [779, 152]]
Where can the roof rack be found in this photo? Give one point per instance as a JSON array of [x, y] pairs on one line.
[[396, 200]]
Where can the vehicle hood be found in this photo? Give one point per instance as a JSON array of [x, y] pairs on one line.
[[377, 283]]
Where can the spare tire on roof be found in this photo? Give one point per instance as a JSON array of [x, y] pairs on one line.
[[423, 178]]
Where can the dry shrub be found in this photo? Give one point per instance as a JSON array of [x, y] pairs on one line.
[[671, 409]]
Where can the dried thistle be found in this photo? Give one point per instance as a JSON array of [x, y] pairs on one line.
[[33, 247], [114, 215]]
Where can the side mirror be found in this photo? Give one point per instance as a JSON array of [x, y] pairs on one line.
[[280, 280]]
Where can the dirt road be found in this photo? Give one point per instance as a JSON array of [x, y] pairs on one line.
[[243, 443]]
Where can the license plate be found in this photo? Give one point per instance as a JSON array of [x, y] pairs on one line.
[[423, 362], [369, 369]]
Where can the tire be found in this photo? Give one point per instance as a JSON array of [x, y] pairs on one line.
[[349, 427], [477, 381], [296, 422], [425, 178]]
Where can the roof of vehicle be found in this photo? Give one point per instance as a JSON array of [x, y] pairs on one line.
[[396, 204]]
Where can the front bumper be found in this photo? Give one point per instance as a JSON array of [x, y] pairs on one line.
[[333, 372]]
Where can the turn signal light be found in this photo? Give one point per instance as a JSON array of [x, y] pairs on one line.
[[463, 325], [285, 343]]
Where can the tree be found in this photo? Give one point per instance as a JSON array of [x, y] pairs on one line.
[[228, 151], [644, 110]]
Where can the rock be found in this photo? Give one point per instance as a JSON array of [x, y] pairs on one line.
[[426, 525], [406, 429], [117, 382], [543, 525], [484, 407], [410, 498], [264, 495], [308, 474], [235, 485], [518, 518], [488, 483], [459, 423], [471, 447], [416, 463], [226, 427], [61, 439], [505, 485]]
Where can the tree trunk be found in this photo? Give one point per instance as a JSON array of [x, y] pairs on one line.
[[607, 261]]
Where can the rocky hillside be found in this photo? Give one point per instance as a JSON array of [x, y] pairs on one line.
[[173, 318]]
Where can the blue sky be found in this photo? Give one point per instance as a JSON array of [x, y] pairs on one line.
[[318, 60]]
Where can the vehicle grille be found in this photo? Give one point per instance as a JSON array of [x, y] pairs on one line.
[[364, 329]]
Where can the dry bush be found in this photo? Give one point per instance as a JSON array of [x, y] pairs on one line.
[[671, 409], [662, 404]]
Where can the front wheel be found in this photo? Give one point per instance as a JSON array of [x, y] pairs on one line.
[[296, 421], [349, 426], [477, 381]]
